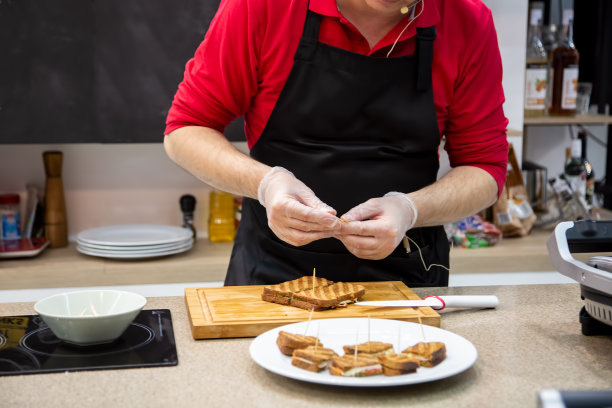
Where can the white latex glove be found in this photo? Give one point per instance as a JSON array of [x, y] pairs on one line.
[[295, 214], [376, 227]]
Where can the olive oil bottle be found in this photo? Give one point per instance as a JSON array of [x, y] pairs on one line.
[[221, 220]]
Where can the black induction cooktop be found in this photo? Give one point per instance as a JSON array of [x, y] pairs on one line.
[[28, 346]]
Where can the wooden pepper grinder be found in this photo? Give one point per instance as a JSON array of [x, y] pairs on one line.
[[56, 229]]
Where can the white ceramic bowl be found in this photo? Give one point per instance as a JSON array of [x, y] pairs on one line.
[[90, 317]]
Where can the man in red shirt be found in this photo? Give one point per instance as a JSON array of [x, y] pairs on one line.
[[345, 103]]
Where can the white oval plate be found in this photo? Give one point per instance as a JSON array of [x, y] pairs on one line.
[[335, 333], [137, 235]]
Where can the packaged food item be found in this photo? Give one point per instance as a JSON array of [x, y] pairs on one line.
[[512, 213], [9, 216], [473, 232]]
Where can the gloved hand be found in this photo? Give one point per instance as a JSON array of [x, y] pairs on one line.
[[376, 227], [295, 214]]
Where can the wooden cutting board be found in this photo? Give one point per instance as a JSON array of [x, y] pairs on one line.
[[238, 311]]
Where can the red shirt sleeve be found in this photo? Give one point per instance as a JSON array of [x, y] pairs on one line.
[[475, 125]]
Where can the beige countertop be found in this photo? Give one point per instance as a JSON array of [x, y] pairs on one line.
[[207, 262], [531, 342]]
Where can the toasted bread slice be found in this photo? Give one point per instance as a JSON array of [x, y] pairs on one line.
[[282, 293], [428, 354], [326, 297], [374, 348], [360, 365], [347, 292], [312, 294], [287, 342], [398, 364], [313, 358], [321, 297], [296, 285]]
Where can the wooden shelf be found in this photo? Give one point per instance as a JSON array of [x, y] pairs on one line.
[[568, 120]]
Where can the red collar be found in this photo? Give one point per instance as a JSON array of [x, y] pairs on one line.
[[429, 17]]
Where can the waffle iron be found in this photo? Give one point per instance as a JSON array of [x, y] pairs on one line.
[[594, 277]]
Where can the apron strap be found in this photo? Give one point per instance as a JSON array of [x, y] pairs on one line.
[[310, 37], [425, 39]]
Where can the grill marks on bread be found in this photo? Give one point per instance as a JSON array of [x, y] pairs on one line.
[[288, 342], [428, 354], [374, 348], [361, 365], [359, 360], [313, 358], [313, 294], [398, 364]]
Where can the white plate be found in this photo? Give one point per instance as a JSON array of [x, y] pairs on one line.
[[134, 254], [335, 333], [158, 247], [134, 235]]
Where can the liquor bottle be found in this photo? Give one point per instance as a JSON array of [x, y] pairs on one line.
[[590, 174], [549, 42], [575, 172], [565, 71], [536, 68]]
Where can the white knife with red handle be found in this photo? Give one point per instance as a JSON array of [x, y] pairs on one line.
[[439, 302]]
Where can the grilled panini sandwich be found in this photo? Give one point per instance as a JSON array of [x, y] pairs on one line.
[[398, 364], [313, 358], [360, 365], [318, 294], [427, 354], [327, 297], [288, 342], [283, 292], [375, 348]]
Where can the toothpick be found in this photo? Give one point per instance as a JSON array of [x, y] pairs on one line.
[[421, 325], [369, 345], [356, 342], [308, 322], [314, 273], [317, 340], [399, 341]]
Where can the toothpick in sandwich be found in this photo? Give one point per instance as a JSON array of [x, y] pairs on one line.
[[421, 325], [308, 322]]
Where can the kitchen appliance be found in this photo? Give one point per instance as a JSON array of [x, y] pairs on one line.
[[595, 281], [28, 346]]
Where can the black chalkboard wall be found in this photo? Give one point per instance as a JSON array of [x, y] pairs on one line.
[[103, 71]]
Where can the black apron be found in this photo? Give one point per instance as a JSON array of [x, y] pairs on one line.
[[351, 127]]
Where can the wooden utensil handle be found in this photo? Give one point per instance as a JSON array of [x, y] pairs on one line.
[[56, 229], [53, 163]]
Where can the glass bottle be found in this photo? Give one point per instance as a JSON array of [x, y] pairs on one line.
[[590, 174], [575, 171], [549, 42], [536, 68], [565, 71], [221, 220], [549, 39]]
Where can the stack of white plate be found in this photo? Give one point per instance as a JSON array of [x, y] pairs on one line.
[[134, 241]]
